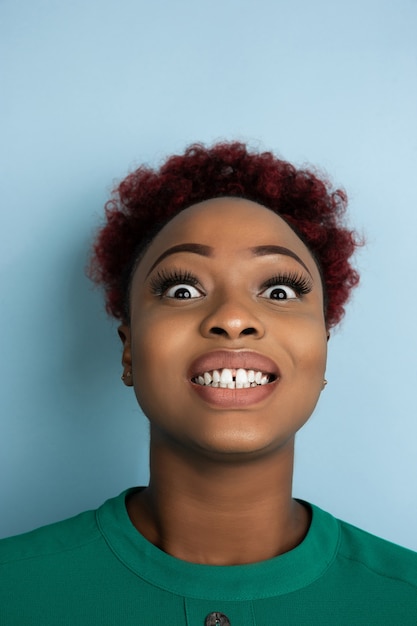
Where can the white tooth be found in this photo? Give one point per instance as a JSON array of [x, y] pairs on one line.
[[253, 384], [200, 380], [246, 385], [241, 376], [207, 378], [213, 384], [264, 380], [251, 376], [231, 385], [226, 377], [258, 377], [216, 376]]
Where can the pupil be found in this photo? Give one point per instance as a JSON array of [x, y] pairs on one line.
[[278, 294], [182, 293]]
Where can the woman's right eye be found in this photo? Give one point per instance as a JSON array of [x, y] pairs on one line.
[[176, 285], [182, 292]]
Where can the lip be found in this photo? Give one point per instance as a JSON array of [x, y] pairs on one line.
[[233, 359]]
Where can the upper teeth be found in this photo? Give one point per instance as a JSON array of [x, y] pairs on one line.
[[232, 379]]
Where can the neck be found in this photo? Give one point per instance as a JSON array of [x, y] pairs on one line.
[[219, 513]]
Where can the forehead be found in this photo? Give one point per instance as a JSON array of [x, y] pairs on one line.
[[207, 216], [230, 225]]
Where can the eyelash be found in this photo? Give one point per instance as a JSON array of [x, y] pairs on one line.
[[165, 279], [299, 283]]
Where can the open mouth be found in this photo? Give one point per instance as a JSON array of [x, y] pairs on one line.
[[233, 378]]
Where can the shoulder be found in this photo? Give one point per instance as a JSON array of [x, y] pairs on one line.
[[379, 557], [42, 570], [69, 541], [64, 536]]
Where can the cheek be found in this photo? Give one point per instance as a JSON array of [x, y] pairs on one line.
[[308, 349], [157, 366], [157, 341]]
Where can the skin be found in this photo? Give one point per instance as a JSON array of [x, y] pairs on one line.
[[220, 488]]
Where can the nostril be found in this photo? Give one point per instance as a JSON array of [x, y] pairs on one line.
[[216, 330], [248, 331]]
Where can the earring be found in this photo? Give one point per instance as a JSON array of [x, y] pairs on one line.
[[324, 383], [127, 375]]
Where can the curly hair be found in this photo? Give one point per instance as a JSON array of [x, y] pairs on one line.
[[147, 199]]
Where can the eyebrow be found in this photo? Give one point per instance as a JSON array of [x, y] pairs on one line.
[[271, 249], [196, 248], [207, 251]]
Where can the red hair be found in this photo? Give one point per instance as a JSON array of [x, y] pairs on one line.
[[147, 199]]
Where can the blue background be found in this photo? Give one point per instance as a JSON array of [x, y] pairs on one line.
[[91, 89]]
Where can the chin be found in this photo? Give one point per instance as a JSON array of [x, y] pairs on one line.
[[241, 447]]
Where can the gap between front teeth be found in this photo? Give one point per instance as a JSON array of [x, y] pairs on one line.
[[232, 379]]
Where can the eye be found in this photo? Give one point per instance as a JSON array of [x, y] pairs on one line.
[[175, 284], [279, 292], [292, 286], [182, 292]]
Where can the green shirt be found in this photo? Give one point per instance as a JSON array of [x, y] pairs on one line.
[[96, 568]]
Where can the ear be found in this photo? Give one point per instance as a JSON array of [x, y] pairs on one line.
[[125, 336]]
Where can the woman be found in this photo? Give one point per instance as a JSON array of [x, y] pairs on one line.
[[227, 269]]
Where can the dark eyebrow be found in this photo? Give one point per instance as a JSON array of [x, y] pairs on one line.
[[195, 248], [271, 249]]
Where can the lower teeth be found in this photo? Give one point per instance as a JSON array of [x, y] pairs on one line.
[[231, 385]]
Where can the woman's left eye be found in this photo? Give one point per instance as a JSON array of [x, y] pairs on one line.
[[182, 292], [279, 292]]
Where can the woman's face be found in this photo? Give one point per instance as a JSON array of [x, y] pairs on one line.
[[226, 291]]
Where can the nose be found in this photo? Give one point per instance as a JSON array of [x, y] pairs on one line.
[[232, 320]]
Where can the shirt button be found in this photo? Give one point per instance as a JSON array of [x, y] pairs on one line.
[[217, 619]]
